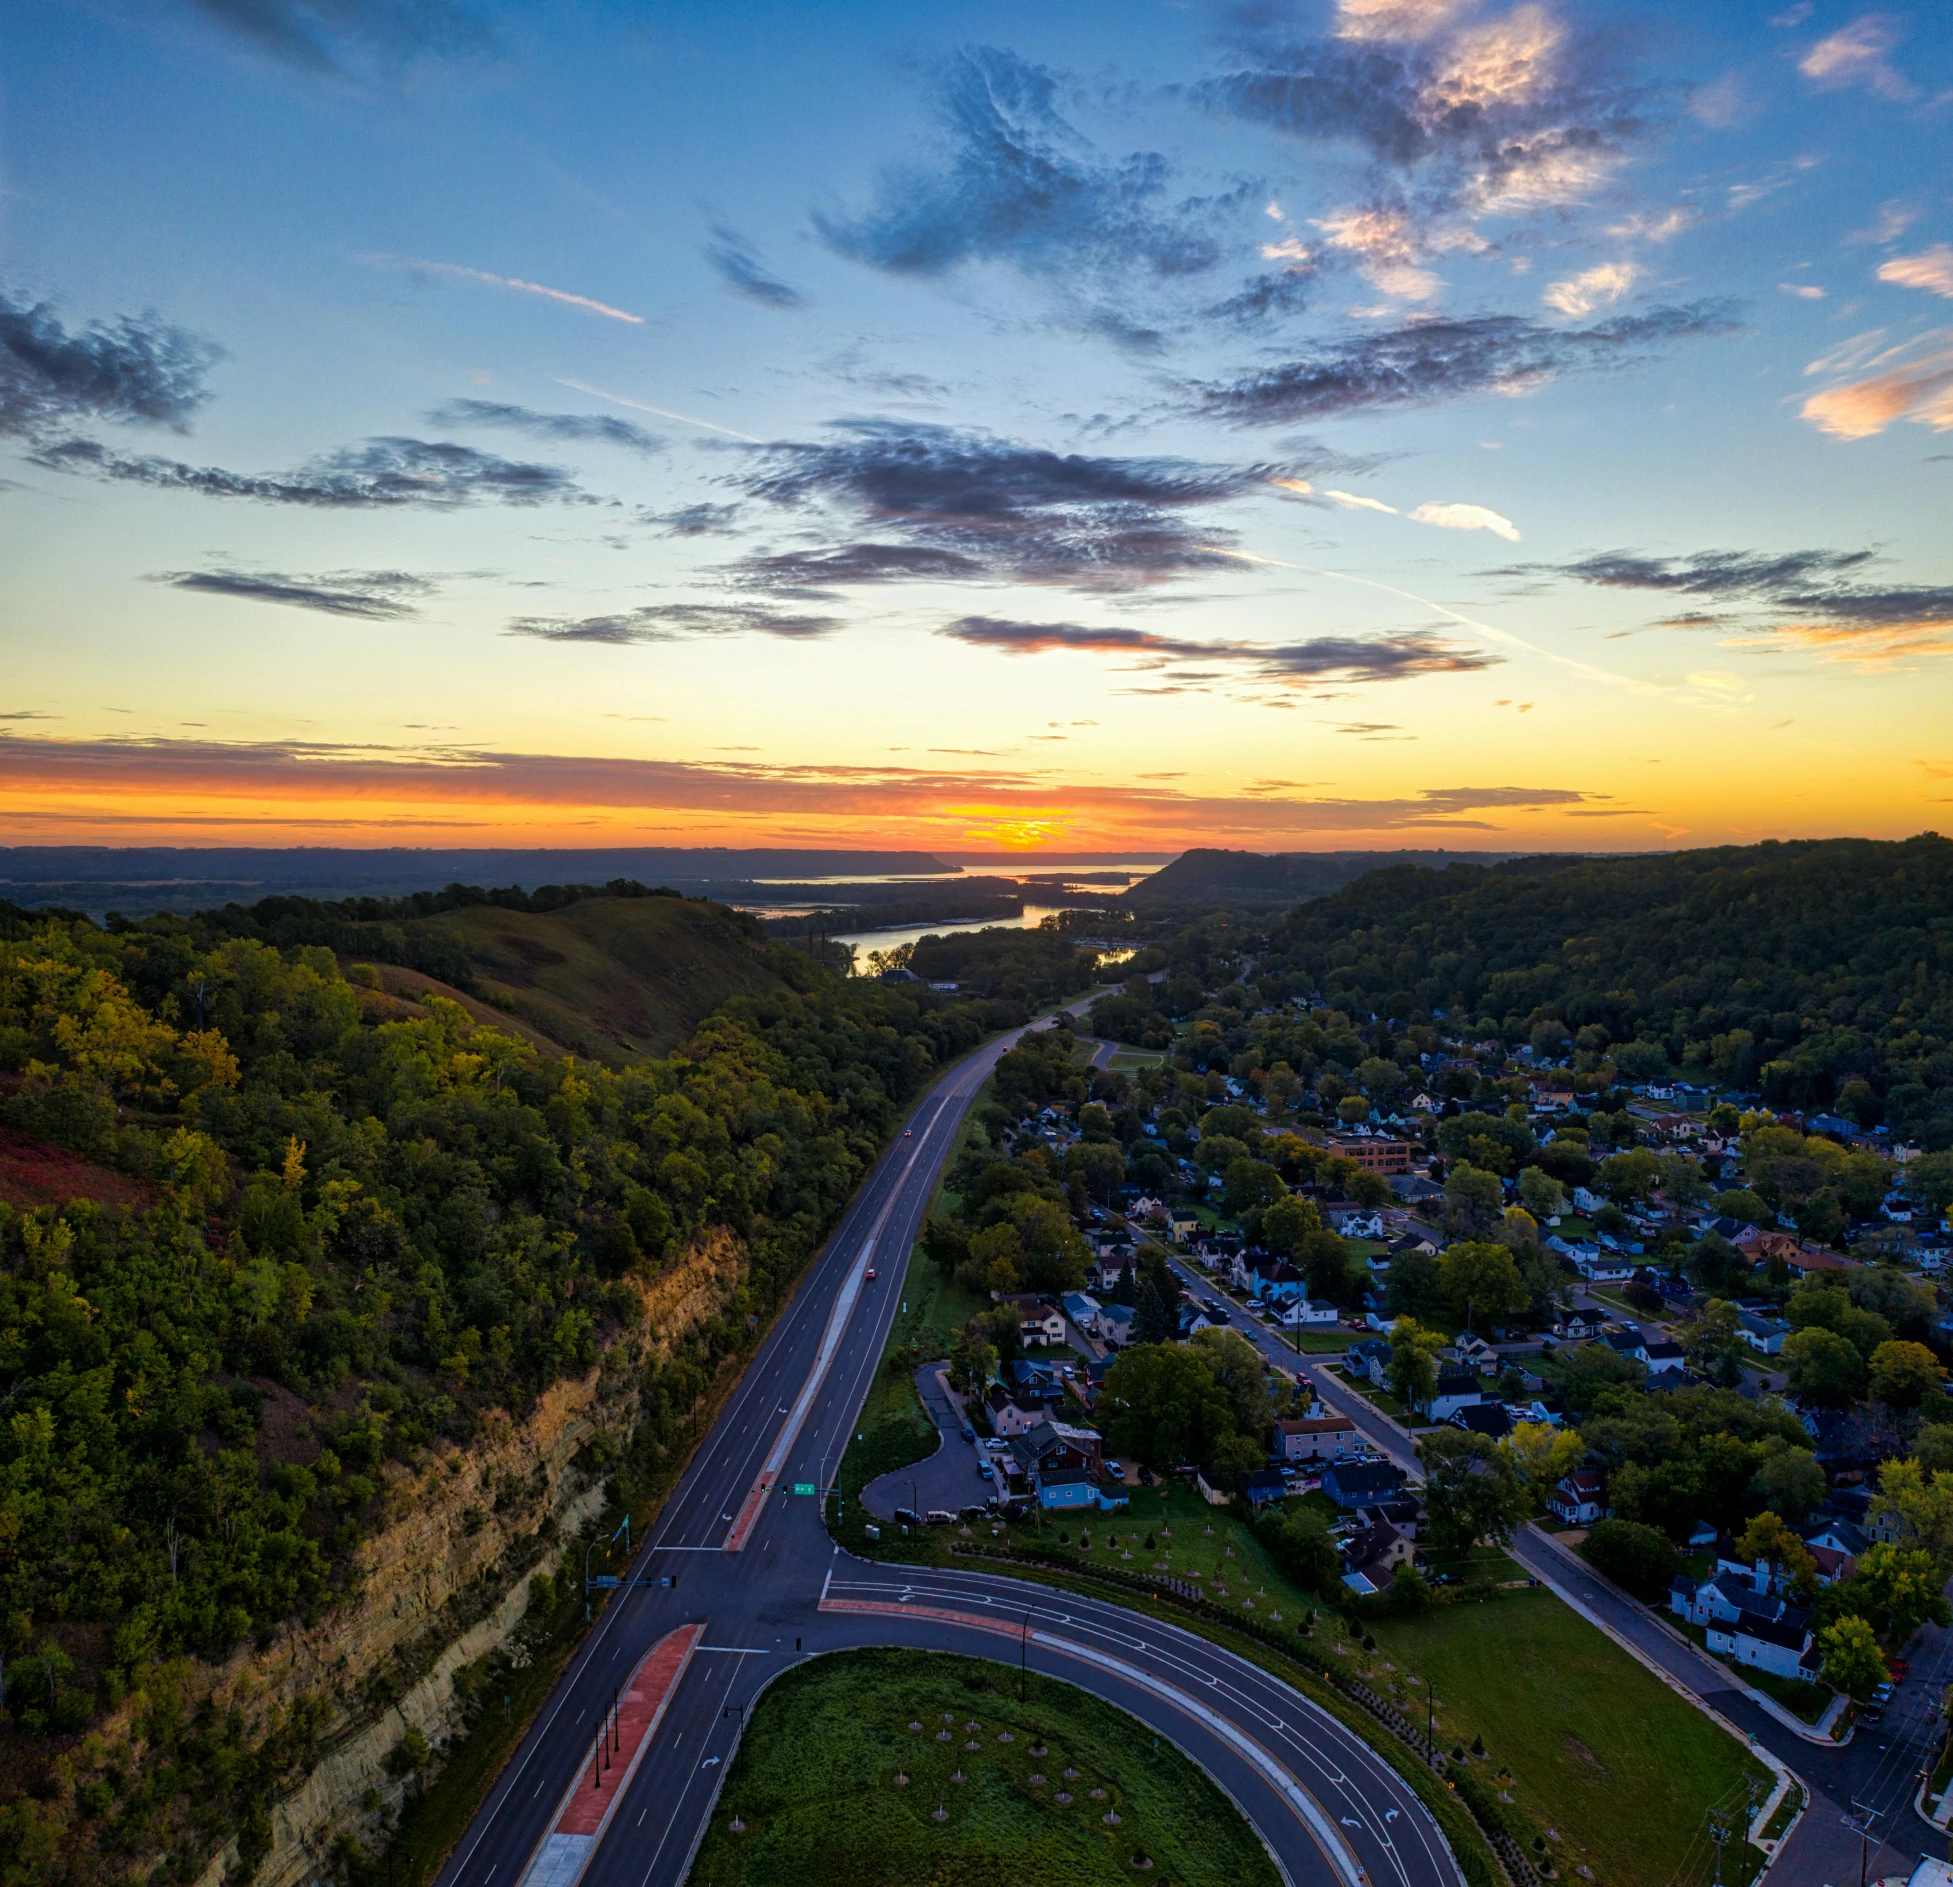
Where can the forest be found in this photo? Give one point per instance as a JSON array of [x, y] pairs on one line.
[[372, 1220], [1815, 973]]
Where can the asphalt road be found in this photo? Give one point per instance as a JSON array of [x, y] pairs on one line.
[[1328, 1807]]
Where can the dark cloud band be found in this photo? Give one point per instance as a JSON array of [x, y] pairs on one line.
[[142, 371]]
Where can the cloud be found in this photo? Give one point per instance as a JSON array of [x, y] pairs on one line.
[[1503, 115], [1397, 657], [1598, 287], [968, 504], [329, 37], [693, 520], [1427, 361], [1018, 185], [134, 370], [1466, 518], [1355, 501], [600, 428], [1804, 291], [1855, 55], [1931, 269], [379, 473], [745, 274], [261, 787], [455, 271], [1386, 244], [1813, 600], [673, 622], [1913, 380], [374, 595]]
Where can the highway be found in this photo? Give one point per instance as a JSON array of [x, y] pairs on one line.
[[764, 1586]]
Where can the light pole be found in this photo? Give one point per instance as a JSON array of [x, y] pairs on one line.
[[1023, 1654]]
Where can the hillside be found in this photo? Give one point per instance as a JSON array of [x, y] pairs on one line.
[[1211, 876], [1819, 972], [607, 978]]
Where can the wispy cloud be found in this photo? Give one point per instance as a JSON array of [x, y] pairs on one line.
[[742, 271], [1814, 600], [377, 474], [457, 272], [673, 622], [334, 38], [1598, 287], [599, 428], [1355, 501], [374, 595], [1912, 380], [1425, 362], [660, 412], [1456, 517], [962, 503], [136, 371], [1856, 55], [1931, 269], [1318, 659]]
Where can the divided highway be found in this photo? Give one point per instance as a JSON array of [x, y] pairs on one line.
[[758, 1576]]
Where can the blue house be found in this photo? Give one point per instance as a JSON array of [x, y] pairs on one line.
[[1358, 1483]]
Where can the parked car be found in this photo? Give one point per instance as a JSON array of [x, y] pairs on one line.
[[940, 1517]]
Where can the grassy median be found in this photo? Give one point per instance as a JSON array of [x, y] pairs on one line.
[[833, 1785]]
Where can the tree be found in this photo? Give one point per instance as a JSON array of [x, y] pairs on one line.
[[1287, 1222], [1921, 1499], [1242, 1373], [1543, 1455], [1162, 1404], [1932, 1447], [1520, 1230], [1641, 1558], [1328, 1266], [1541, 1194], [1413, 1288], [1853, 1663], [1825, 1371], [1473, 1200], [1100, 1166], [972, 1359], [1903, 1375], [1471, 1491], [1231, 1459], [1300, 1543], [996, 1261], [1251, 1184], [1630, 1176], [1741, 1203], [1156, 1303], [943, 1244], [1413, 1375], [1789, 1481], [1766, 1538], [1713, 1346], [1716, 1266], [1895, 1589], [1481, 1281]]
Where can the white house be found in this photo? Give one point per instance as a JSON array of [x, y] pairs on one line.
[[1777, 1645], [1304, 1311]]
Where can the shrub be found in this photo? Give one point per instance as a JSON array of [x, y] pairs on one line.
[[1641, 1558]]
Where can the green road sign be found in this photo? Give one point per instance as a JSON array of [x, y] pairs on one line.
[[803, 1487]]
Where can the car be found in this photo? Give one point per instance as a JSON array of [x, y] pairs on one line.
[[996, 1444], [969, 1433], [1147, 1478], [869, 1275], [984, 1469], [908, 1516], [940, 1517], [908, 1133]]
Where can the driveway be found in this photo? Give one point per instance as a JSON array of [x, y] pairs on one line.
[[948, 1479]]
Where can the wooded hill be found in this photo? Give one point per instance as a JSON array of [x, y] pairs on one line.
[[1818, 972]]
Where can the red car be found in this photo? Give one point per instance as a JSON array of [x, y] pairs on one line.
[[870, 1274]]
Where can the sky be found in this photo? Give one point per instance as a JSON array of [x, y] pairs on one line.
[[1358, 423]]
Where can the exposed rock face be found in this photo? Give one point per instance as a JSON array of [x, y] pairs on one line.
[[446, 1582]]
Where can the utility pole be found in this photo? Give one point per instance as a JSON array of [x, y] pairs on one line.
[[1023, 1655], [1719, 1834]]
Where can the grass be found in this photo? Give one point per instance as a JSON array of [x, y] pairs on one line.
[[609, 978], [815, 1785], [1377, 1398], [1806, 1700], [1128, 1060], [1597, 1747]]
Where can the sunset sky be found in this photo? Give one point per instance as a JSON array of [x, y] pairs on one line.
[[1394, 422]]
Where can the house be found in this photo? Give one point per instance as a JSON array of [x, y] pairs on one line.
[[1663, 1356], [1305, 1311], [1490, 1419], [1414, 1242], [1369, 1359], [1041, 1320], [1578, 1499], [1404, 1512], [1083, 1310], [1475, 1353], [1059, 1444], [1263, 1486], [1374, 1555], [1601, 1267], [1357, 1483], [1115, 1325], [1062, 1490], [1354, 1221], [1576, 1326], [1628, 1343], [1765, 1334], [1378, 1153], [1314, 1437], [1454, 1389], [1274, 1281], [1779, 1645], [1587, 1203], [1012, 1414]]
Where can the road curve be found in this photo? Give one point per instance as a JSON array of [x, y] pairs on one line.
[[756, 1569]]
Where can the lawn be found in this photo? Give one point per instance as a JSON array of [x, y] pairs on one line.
[[834, 1786], [1597, 1747], [1130, 1060]]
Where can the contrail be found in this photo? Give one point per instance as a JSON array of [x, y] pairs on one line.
[[663, 412]]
